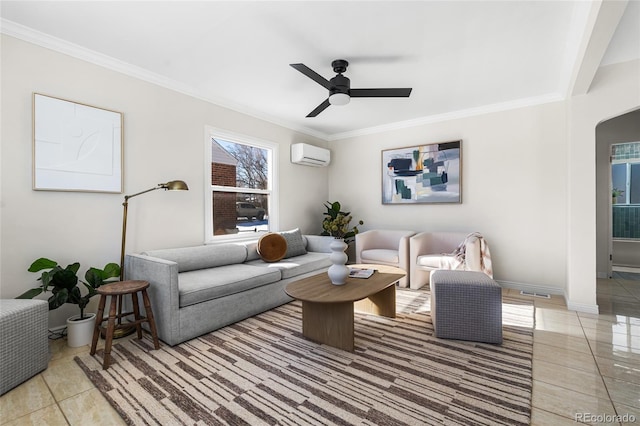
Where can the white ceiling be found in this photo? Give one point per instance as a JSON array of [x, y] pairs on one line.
[[458, 56]]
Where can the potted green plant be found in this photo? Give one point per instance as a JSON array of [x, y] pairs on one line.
[[337, 223], [64, 288], [615, 193]]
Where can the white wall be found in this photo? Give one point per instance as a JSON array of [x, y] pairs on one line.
[[163, 140], [513, 188], [614, 91]]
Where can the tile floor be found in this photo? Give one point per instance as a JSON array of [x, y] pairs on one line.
[[583, 365]]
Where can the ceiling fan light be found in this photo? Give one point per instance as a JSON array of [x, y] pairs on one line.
[[339, 99]]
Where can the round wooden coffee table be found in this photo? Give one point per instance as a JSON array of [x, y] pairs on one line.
[[327, 309]]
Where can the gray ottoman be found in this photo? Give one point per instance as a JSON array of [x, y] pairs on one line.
[[466, 305], [24, 342]]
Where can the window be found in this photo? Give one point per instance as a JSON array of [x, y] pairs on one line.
[[240, 191], [625, 190], [625, 178]]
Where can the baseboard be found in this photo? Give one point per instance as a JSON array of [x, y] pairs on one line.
[[603, 275], [572, 306], [626, 268], [531, 287], [582, 307]]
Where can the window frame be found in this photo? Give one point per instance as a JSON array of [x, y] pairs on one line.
[[272, 189], [629, 163]]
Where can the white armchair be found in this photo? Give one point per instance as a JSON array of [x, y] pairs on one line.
[[385, 247], [429, 251]]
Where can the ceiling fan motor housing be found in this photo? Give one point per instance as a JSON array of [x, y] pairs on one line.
[[339, 84]]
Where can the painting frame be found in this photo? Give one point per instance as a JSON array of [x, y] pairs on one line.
[[76, 147], [429, 173]]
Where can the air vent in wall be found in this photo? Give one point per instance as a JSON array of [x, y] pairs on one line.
[[534, 294]]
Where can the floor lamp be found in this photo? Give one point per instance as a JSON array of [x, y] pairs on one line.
[[174, 185]]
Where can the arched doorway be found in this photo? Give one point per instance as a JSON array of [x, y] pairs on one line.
[[621, 250]]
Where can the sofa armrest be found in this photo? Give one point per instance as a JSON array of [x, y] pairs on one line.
[[163, 291], [473, 258], [420, 244], [403, 253]]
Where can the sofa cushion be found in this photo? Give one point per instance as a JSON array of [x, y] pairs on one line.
[[272, 247], [384, 256], [297, 265], [318, 243], [207, 284], [202, 257], [436, 261], [296, 245], [252, 250]]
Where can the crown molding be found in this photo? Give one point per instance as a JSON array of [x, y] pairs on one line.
[[454, 115], [30, 35]]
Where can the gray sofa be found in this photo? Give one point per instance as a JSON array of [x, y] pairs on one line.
[[195, 290]]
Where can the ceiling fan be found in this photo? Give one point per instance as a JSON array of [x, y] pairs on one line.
[[340, 91]]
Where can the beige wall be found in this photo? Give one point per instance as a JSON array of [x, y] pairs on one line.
[[614, 91], [513, 190], [528, 184], [528, 176], [163, 140]]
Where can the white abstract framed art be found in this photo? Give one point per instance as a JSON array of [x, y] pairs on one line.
[[76, 147]]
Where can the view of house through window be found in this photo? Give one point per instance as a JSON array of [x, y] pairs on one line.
[[240, 187], [625, 180]]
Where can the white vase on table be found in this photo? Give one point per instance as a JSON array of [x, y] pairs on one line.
[[338, 271]]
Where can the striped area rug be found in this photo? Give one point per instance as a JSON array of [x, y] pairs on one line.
[[262, 371]]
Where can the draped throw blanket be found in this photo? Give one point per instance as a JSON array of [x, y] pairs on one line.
[[457, 259]]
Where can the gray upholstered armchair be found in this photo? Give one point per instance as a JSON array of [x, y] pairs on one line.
[[429, 251], [385, 247]]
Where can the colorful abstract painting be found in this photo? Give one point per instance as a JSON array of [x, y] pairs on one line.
[[428, 173]]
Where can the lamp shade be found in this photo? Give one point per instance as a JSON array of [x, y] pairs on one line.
[[339, 99], [175, 185]]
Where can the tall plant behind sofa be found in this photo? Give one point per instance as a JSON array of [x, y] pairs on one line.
[[335, 218]]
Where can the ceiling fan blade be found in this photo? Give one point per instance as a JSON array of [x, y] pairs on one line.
[[312, 75], [380, 93], [319, 108]]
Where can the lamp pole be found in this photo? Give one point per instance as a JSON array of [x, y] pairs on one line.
[[171, 186], [174, 185]]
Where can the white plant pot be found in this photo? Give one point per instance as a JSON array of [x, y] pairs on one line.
[[80, 331], [338, 271]]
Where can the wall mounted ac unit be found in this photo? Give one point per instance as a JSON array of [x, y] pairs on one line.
[[310, 155]]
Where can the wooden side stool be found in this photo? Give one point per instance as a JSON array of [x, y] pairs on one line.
[[120, 289]]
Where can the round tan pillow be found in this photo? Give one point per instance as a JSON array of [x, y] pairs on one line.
[[272, 247]]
